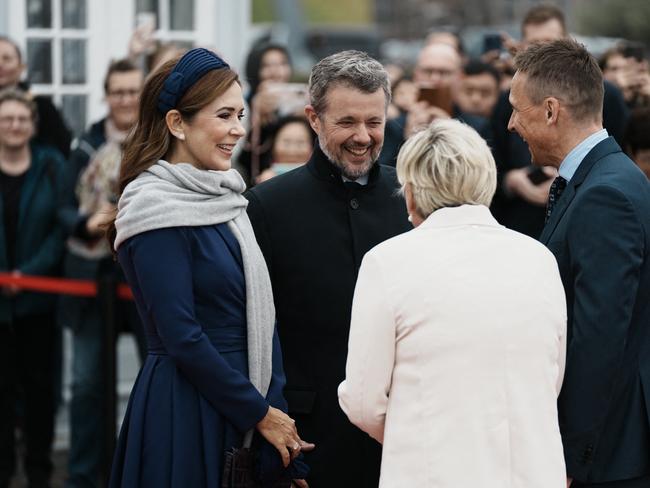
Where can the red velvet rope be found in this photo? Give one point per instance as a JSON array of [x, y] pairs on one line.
[[64, 286]]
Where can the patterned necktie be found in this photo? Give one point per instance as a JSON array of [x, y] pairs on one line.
[[558, 186]]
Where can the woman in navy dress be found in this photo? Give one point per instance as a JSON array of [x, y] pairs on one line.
[[214, 366]]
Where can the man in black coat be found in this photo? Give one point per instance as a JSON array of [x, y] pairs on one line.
[[314, 226]]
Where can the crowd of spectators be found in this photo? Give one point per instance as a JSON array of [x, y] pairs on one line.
[[58, 194]]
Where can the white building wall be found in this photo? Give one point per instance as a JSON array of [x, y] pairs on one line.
[[224, 25], [4, 15]]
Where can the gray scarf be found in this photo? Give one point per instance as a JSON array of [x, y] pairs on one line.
[[178, 195]]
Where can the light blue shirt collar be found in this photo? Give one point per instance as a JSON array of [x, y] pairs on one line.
[[574, 158]]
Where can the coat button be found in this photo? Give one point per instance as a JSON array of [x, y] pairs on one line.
[[354, 203]]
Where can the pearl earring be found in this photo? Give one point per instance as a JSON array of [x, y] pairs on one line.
[[181, 137], [410, 219]]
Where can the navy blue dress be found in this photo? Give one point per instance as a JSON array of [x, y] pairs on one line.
[[192, 399]]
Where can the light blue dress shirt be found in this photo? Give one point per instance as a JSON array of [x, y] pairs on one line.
[[574, 158]]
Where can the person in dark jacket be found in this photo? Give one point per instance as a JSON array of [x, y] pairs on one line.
[[439, 67], [598, 228], [268, 69], [31, 243], [51, 129], [314, 224], [90, 179]]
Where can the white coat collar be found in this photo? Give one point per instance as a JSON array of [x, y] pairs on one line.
[[456, 216]]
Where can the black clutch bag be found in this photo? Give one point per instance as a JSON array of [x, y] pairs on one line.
[[239, 469]]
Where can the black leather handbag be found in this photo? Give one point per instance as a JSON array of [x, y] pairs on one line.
[[239, 469]]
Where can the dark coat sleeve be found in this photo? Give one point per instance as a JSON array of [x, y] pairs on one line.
[[270, 465], [256, 215], [48, 256], [162, 261], [270, 462], [605, 242], [275, 396]]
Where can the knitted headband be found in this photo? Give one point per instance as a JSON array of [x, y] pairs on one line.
[[189, 69]]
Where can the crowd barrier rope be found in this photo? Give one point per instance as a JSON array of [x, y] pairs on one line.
[[108, 291], [63, 286]]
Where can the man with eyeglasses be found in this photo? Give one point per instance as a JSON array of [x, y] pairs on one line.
[[437, 72], [51, 129], [91, 181]]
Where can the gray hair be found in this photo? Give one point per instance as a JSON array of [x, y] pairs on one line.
[[354, 69], [446, 165]]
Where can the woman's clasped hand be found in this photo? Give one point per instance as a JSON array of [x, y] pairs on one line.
[[280, 430]]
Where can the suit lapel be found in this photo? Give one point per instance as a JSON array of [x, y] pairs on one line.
[[558, 212], [602, 149]]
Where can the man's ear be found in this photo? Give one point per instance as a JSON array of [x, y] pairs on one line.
[[313, 119], [552, 107], [175, 124]]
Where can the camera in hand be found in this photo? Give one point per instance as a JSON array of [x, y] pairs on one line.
[[437, 97], [492, 42]]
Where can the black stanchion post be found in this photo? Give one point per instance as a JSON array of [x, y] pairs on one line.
[[107, 300]]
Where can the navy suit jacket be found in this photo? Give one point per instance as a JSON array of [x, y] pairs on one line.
[[600, 235]]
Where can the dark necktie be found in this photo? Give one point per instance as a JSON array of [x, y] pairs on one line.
[[554, 194]]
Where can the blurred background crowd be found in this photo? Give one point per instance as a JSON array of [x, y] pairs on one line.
[[59, 160]]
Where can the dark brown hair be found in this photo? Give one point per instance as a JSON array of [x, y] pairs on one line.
[[607, 55], [119, 66], [150, 139], [563, 69], [542, 14]]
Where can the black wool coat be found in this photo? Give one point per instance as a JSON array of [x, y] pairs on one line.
[[314, 230]]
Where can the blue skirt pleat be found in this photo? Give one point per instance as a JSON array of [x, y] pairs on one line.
[[171, 435]]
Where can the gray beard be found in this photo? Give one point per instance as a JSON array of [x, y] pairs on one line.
[[345, 171]]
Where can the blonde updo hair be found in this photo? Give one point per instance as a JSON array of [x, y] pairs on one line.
[[447, 165]]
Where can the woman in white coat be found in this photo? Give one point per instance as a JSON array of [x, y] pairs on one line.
[[457, 341]]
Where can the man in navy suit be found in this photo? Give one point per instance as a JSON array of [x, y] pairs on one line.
[[521, 196], [598, 227]]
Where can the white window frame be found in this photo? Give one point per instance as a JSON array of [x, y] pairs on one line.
[[19, 31], [224, 25]]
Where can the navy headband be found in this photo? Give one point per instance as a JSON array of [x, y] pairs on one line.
[[189, 69]]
